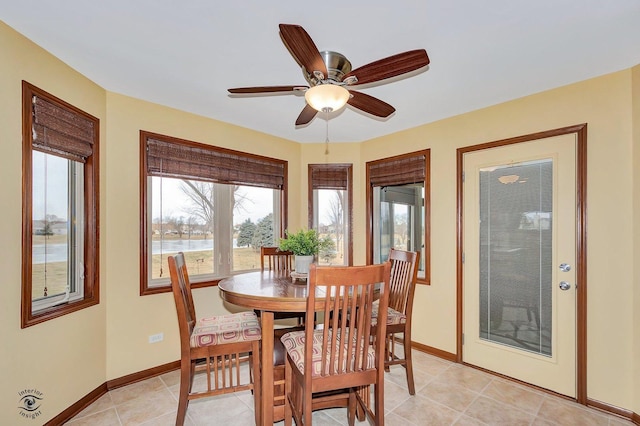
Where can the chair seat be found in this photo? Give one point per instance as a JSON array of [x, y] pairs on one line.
[[232, 328], [294, 344], [393, 317]]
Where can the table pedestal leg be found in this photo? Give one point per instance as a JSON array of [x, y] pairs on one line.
[[267, 368]]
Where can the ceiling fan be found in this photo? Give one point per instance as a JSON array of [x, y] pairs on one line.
[[330, 76]]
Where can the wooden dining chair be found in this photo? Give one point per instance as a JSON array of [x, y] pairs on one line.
[[275, 259], [404, 273], [221, 341], [344, 352]]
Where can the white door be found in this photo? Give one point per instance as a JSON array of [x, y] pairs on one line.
[[519, 296]]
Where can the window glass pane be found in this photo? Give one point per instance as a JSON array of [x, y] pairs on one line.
[[385, 233], [331, 221], [50, 222], [58, 225], [182, 221], [219, 228], [399, 217], [254, 225]]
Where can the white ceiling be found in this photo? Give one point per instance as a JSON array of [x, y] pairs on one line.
[[185, 54]]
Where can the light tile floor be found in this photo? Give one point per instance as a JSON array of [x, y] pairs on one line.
[[446, 394]]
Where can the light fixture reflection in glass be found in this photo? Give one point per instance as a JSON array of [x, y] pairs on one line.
[[507, 179], [327, 97]]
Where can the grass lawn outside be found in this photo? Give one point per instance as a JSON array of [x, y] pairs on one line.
[[201, 262], [198, 262]]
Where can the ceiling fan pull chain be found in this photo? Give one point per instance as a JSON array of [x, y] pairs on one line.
[[326, 141]]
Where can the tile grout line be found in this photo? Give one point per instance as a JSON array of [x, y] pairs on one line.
[[534, 414]]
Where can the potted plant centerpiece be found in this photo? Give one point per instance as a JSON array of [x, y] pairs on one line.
[[305, 245]]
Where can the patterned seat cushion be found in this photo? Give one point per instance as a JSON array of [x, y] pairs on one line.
[[240, 327], [294, 344], [393, 317]]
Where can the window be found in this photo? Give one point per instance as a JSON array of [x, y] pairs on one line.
[[60, 207], [330, 209], [398, 208], [216, 205]]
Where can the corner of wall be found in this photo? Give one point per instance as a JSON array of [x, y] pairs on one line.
[[635, 120]]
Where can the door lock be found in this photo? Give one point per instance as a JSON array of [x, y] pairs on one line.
[[565, 267], [564, 286]]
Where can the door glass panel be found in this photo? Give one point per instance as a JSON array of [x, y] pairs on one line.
[[515, 255]]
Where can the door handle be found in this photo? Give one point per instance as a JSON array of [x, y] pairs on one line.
[[564, 286]]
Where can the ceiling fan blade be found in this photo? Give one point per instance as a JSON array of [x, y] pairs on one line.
[[266, 89], [373, 106], [302, 48], [307, 114], [390, 67]]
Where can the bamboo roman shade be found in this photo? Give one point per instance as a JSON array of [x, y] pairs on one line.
[[397, 170], [61, 131], [329, 176], [190, 160]]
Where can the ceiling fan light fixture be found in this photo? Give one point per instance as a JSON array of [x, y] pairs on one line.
[[327, 97]]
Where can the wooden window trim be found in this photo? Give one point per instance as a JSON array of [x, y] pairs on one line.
[[273, 174], [407, 168], [75, 148]]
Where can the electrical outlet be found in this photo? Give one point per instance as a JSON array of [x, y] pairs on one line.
[[155, 338]]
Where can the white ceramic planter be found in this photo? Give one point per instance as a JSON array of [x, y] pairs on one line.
[[302, 264]]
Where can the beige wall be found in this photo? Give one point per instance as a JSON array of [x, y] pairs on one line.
[[636, 237], [604, 103], [109, 341], [130, 317], [64, 358]]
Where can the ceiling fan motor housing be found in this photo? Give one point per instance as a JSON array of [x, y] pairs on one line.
[[337, 67]]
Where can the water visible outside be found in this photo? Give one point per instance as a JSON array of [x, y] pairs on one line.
[[58, 252]]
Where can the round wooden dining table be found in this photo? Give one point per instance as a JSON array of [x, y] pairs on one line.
[[268, 292]]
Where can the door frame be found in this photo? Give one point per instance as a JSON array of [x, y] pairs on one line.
[[580, 131]]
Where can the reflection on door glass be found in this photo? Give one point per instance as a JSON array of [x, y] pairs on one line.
[[515, 255], [399, 220]]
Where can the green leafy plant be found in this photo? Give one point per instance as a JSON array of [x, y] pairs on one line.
[[304, 243]]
